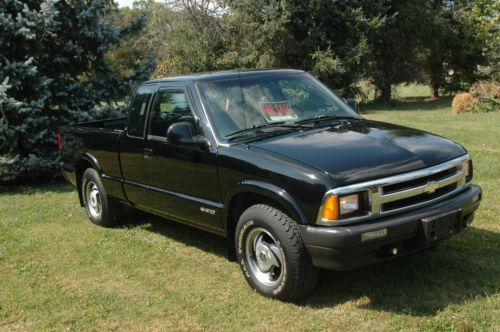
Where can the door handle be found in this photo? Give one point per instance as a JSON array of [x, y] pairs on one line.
[[148, 153]]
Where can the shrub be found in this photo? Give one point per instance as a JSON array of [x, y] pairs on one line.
[[463, 102], [488, 104], [486, 89], [488, 94], [484, 96]]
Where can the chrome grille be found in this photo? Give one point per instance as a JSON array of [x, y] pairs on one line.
[[423, 188], [406, 191], [400, 186], [416, 199]]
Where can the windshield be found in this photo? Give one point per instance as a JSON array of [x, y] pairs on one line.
[[236, 106]]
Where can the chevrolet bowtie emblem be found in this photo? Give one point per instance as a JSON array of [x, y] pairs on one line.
[[431, 187]]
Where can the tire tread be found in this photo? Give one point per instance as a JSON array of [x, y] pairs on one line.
[[306, 276], [112, 209]]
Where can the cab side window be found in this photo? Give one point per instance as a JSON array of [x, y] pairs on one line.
[[171, 106], [138, 110]]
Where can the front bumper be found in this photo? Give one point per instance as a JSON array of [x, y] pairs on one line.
[[341, 248]]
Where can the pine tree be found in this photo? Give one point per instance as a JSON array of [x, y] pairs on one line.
[[328, 38], [54, 71]]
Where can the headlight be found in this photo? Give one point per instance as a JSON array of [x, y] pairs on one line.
[[467, 166], [337, 207], [349, 204]]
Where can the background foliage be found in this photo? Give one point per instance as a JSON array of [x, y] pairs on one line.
[[64, 61], [54, 71], [445, 44]]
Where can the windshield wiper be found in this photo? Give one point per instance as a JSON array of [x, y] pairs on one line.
[[324, 117], [283, 124], [279, 124]]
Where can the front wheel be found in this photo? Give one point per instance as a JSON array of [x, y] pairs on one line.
[[101, 209], [271, 254]]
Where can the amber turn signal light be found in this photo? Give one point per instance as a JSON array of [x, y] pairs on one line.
[[331, 208]]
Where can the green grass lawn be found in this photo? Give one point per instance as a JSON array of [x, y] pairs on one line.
[[58, 271]]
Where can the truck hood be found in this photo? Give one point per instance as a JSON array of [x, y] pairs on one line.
[[363, 150]]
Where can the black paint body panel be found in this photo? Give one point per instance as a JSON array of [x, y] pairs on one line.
[[364, 150]]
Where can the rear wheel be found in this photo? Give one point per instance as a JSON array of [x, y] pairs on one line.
[[101, 209], [271, 254]]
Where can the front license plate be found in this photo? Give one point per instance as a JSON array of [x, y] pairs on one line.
[[441, 226]]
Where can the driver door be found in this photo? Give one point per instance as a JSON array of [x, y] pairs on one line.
[[182, 179]]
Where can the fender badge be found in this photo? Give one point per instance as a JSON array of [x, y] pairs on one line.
[[207, 210]]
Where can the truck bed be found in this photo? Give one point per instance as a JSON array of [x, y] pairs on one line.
[[99, 139]]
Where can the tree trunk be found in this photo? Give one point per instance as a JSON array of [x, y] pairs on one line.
[[435, 75], [434, 87], [385, 92]]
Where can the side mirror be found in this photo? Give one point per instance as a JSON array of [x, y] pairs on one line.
[[181, 133], [353, 104]]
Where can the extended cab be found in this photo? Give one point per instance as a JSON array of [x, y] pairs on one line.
[[280, 166]]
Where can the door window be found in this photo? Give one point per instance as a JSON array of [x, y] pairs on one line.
[[170, 107], [138, 110]]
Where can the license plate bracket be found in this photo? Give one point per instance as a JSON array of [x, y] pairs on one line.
[[441, 226]]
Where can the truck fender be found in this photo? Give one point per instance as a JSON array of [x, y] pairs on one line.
[[273, 192], [90, 158]]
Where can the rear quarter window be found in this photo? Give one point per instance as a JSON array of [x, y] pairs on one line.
[[138, 110]]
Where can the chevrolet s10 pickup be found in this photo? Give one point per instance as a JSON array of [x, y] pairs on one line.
[[276, 163]]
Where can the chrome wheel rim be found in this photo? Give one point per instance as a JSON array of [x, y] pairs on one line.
[[264, 257], [93, 198]]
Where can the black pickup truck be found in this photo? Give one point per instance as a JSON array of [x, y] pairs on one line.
[[280, 166]]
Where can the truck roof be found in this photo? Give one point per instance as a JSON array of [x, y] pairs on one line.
[[223, 75]]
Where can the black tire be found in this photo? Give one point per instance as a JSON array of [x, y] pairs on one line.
[[110, 210], [297, 275]]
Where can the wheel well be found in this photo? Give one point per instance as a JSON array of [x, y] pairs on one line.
[[238, 204], [80, 167]]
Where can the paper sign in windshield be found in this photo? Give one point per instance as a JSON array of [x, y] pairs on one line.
[[277, 110]]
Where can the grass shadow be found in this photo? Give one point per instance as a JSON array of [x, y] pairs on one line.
[[188, 235], [56, 186], [421, 284], [407, 104]]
